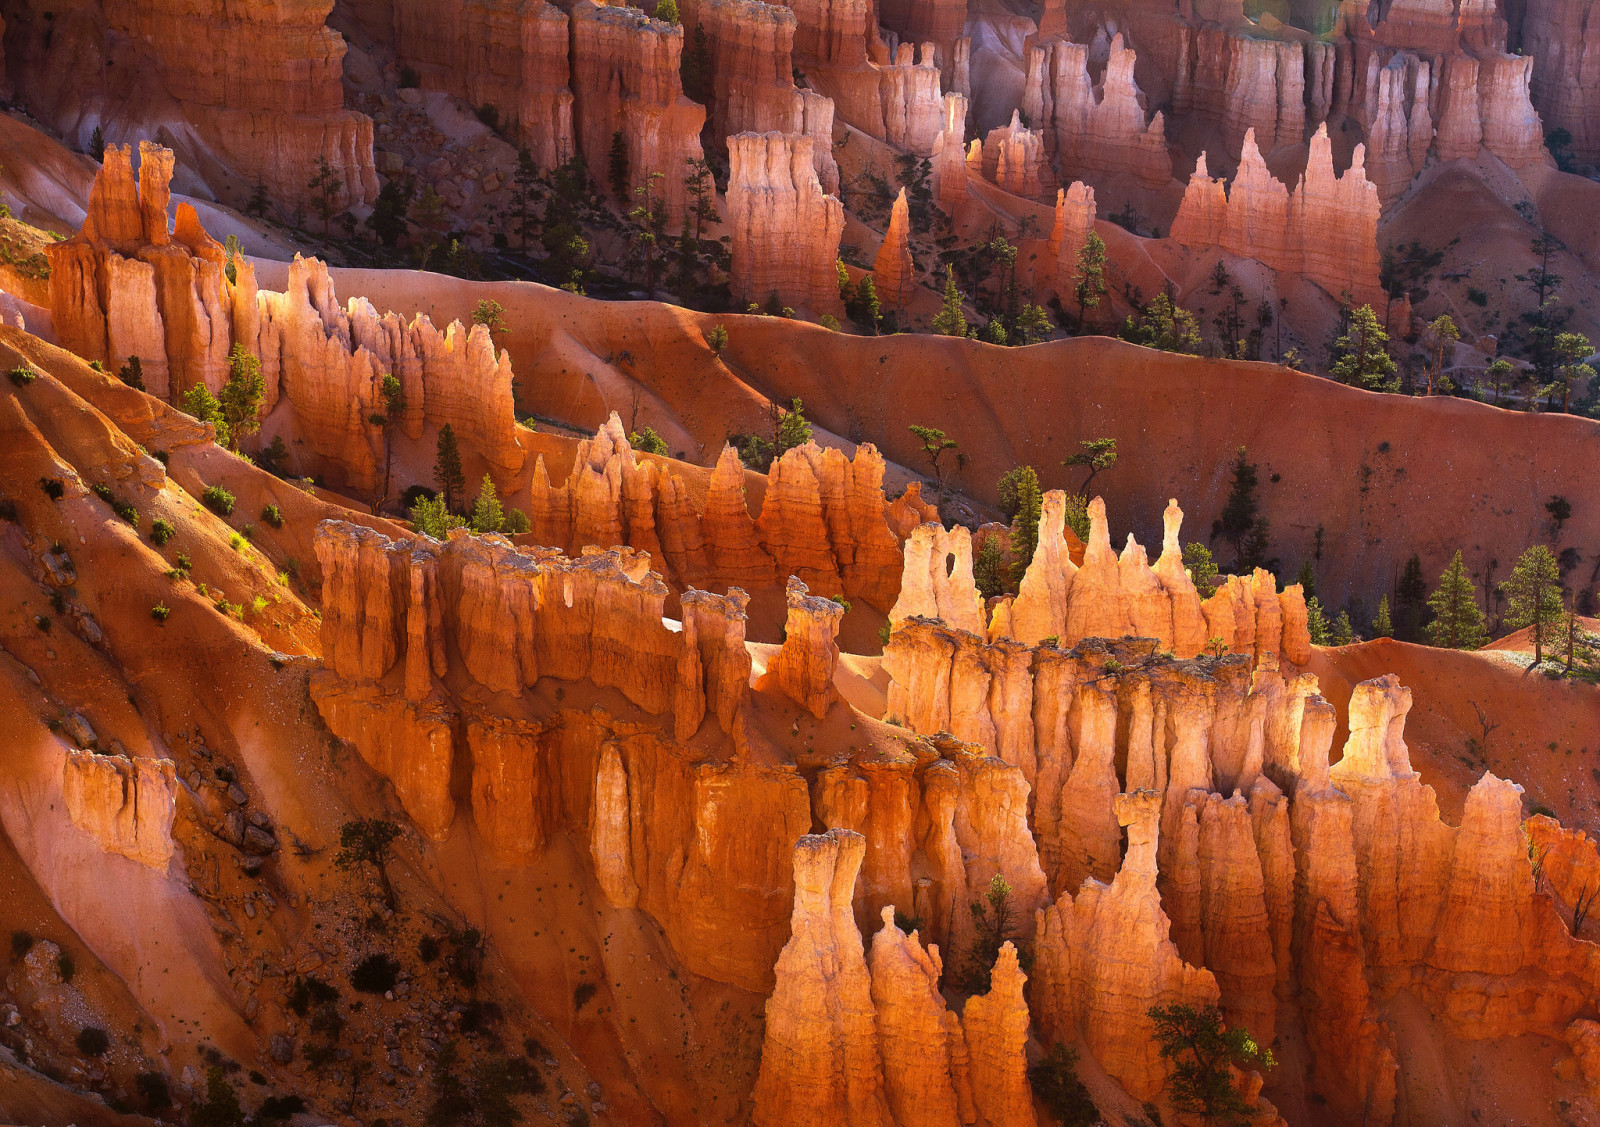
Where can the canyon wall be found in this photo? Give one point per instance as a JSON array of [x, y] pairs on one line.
[[509, 54], [258, 86], [626, 79]]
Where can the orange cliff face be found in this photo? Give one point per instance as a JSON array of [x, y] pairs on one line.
[[259, 86]]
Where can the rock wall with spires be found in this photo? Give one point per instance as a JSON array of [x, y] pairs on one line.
[[127, 286], [823, 518], [626, 79], [256, 87], [911, 102], [1563, 39], [1102, 130], [511, 55], [785, 229], [1326, 229]]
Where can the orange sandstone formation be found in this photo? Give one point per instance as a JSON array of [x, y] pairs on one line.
[[1326, 229], [950, 156], [1013, 158], [1104, 131], [785, 230], [126, 286], [819, 1062]]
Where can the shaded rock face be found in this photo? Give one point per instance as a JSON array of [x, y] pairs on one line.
[[1325, 230], [785, 230], [626, 79], [1563, 38], [509, 54], [127, 286], [823, 518], [126, 804], [258, 85], [1104, 130]]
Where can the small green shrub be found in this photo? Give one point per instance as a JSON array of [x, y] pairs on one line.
[[218, 500], [272, 516], [103, 491], [54, 488], [1477, 297], [126, 511], [93, 1041], [376, 974], [152, 1087], [236, 541], [160, 612], [66, 967], [161, 531], [311, 991], [21, 943], [23, 375], [582, 994], [42, 623]]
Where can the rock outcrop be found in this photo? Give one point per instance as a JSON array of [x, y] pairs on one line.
[[803, 667], [823, 518], [1103, 959], [893, 271], [626, 79], [1563, 40], [257, 89], [1075, 212], [949, 155], [785, 230], [1013, 159], [1326, 229], [126, 804], [911, 102], [819, 1061]]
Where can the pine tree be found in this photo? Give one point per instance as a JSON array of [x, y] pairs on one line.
[[1239, 524], [1457, 620], [790, 428], [1316, 622], [989, 568], [1025, 527], [617, 167], [1343, 632], [1410, 598], [1307, 578], [950, 321], [97, 145], [447, 472], [1533, 596], [869, 310], [394, 406], [487, 514], [241, 396], [199, 403], [1089, 280], [1202, 568], [132, 373], [667, 12], [1363, 354], [1382, 624]]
